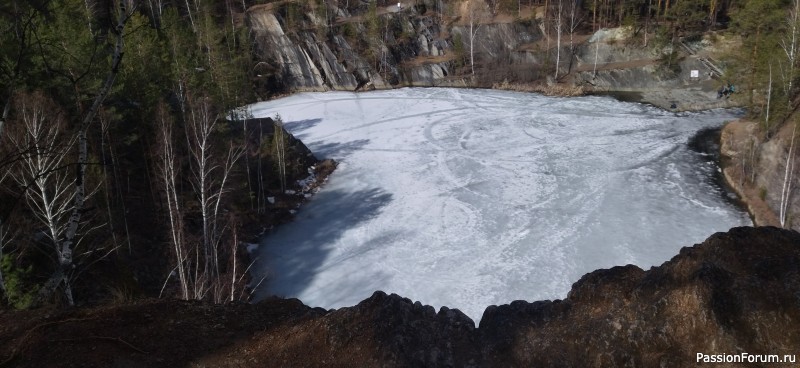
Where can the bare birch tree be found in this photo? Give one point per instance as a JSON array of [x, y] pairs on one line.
[[40, 133], [4, 239], [789, 44], [197, 262], [209, 176], [647, 21], [41, 172], [559, 29], [769, 98], [279, 144], [596, 53], [788, 177], [575, 20], [191, 18], [169, 171], [261, 195], [70, 239], [476, 15], [199, 127]]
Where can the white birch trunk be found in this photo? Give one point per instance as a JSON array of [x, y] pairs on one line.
[[233, 277], [69, 241], [647, 21], [596, 53], [789, 43], [3, 235], [280, 152], [42, 170], [191, 19], [262, 200], [769, 97], [198, 134], [169, 177], [477, 13], [787, 182], [558, 37], [471, 43]]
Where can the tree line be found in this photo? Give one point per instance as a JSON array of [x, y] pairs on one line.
[[113, 111]]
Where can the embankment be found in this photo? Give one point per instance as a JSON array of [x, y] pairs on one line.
[[734, 293], [755, 168]]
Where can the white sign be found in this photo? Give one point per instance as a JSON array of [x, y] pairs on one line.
[[695, 74]]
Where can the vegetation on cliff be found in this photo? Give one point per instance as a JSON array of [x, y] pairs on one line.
[[761, 153], [120, 172]]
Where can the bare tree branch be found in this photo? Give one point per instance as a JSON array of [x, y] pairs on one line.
[[79, 197]]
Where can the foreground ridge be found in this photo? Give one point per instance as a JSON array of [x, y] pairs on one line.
[[737, 292]]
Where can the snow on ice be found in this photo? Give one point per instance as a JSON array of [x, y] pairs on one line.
[[468, 198]]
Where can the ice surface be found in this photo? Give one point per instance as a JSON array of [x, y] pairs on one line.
[[468, 198]]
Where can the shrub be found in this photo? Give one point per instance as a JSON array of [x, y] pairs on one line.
[[349, 31], [19, 289], [459, 51], [669, 62]]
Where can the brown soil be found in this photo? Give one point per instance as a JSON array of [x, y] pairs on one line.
[[424, 60], [543, 45], [268, 6], [618, 65], [162, 333], [561, 90], [527, 12], [735, 292], [406, 4]]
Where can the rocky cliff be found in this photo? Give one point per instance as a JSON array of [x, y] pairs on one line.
[[350, 46], [737, 292], [756, 167], [335, 47], [330, 48]]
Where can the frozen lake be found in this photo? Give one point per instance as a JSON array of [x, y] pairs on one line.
[[468, 198]]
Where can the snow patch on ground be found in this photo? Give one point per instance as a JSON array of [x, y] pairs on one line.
[[468, 198]]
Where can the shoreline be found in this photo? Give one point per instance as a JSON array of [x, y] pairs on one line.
[[748, 199], [256, 227], [708, 141], [689, 99], [747, 196]]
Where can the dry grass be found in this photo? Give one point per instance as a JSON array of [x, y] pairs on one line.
[[544, 45], [424, 60], [547, 90]]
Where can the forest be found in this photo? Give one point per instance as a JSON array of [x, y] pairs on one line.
[[125, 171]]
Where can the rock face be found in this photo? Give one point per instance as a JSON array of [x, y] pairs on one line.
[[359, 48], [773, 157], [730, 294], [295, 62], [756, 168], [737, 292], [414, 48]]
